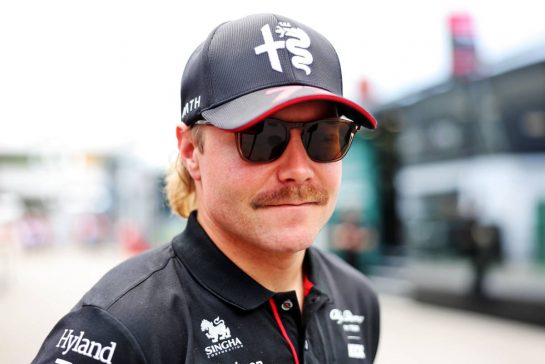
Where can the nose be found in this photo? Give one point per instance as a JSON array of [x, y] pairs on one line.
[[294, 165]]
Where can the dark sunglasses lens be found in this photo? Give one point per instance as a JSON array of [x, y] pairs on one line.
[[263, 142], [327, 140]]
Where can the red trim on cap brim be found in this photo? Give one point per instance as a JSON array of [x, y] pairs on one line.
[[297, 100]]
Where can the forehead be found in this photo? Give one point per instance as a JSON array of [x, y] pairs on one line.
[[306, 111]]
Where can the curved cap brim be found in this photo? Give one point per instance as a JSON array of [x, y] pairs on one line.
[[249, 109]]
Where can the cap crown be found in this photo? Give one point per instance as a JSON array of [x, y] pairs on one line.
[[253, 53]]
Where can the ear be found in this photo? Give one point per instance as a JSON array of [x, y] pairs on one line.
[[189, 152]]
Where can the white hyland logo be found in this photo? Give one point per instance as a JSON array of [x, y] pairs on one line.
[[220, 335], [84, 346], [297, 43]]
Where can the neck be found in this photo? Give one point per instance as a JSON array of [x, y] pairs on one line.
[[276, 271]]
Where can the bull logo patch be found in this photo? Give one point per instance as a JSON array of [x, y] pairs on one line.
[[215, 331], [220, 335]]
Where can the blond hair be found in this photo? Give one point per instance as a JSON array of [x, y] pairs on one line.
[[179, 185]]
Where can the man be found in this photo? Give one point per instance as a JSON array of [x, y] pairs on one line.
[[257, 175]]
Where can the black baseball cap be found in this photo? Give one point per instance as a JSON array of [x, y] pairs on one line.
[[250, 68]]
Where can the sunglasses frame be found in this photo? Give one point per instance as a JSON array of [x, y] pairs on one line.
[[354, 128]]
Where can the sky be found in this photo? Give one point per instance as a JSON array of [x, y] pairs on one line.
[[104, 76]]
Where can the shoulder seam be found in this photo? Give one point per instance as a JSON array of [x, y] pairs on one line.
[[139, 282]]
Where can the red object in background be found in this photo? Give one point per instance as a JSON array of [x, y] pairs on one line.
[[132, 239], [365, 92], [464, 54]]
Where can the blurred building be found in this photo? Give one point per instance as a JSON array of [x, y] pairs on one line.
[[52, 198], [467, 161]]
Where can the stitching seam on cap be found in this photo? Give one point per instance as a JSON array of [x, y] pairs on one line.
[[208, 71], [338, 64]]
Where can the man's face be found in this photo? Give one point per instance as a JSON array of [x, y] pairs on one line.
[[276, 207]]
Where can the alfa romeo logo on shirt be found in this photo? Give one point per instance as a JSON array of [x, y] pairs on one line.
[[220, 335], [351, 325]]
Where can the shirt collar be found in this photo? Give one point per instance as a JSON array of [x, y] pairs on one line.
[[217, 273]]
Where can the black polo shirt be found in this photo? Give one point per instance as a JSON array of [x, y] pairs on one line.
[[187, 302]]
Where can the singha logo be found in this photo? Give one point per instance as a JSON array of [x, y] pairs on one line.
[[220, 335], [215, 331]]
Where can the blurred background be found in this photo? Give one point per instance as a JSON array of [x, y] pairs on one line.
[[443, 206]]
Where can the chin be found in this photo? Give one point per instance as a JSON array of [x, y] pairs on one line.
[[290, 232], [291, 241]]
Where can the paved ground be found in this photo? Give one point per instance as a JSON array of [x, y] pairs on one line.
[[36, 289]]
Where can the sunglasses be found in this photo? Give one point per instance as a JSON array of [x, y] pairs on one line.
[[326, 140]]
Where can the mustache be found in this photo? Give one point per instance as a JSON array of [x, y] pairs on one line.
[[291, 195]]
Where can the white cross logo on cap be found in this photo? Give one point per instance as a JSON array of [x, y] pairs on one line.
[[296, 43], [270, 46]]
